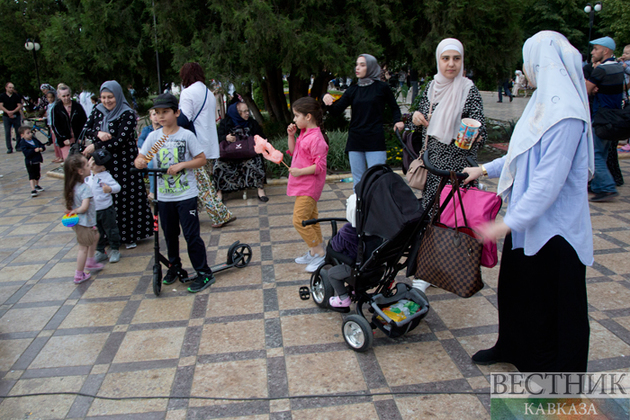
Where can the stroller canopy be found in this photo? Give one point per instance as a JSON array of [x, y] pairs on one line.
[[385, 203]]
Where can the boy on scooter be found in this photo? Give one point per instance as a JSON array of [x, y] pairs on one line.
[[178, 150]]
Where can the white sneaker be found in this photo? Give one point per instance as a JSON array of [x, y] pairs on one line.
[[306, 258], [421, 285], [314, 265]]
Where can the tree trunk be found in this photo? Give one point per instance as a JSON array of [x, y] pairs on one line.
[[251, 104], [298, 88], [265, 92], [320, 85], [277, 99]]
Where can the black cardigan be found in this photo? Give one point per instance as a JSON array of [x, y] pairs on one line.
[[62, 123], [366, 133]]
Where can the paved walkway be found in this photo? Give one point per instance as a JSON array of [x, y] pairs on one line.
[[249, 335], [505, 111]]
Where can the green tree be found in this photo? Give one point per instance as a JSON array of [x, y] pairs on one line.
[[20, 20], [617, 14]]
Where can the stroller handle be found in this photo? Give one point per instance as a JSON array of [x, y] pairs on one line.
[[440, 172], [150, 170], [326, 219], [427, 162]]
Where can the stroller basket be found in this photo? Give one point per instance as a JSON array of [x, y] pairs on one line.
[[393, 328]]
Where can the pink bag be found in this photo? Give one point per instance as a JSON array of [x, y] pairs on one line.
[[481, 207]]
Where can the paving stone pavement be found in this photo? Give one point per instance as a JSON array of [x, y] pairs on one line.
[[249, 335]]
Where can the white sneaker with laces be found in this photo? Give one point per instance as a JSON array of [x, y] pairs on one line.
[[306, 258], [314, 265]]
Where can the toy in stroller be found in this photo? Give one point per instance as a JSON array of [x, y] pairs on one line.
[[389, 220], [239, 255]]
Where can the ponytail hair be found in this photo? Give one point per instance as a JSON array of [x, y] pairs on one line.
[[308, 105]]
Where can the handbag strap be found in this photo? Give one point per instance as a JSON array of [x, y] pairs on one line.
[[202, 105], [426, 129]]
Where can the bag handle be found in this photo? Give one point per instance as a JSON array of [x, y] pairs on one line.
[[451, 196]]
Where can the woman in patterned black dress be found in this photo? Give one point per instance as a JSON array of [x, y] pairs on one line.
[[454, 97], [112, 126]]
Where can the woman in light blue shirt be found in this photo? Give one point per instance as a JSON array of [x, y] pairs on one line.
[[543, 321]]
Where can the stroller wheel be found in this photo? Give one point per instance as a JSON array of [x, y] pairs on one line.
[[357, 332], [321, 289]]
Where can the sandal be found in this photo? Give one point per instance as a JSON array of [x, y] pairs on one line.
[[220, 225]]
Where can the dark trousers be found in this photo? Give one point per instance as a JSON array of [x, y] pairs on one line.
[[504, 87], [34, 171], [543, 309], [172, 215], [337, 277], [107, 229], [8, 123]]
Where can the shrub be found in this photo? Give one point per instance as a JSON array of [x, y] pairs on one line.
[[337, 158]]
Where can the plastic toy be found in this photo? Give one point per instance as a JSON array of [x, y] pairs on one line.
[[69, 220]]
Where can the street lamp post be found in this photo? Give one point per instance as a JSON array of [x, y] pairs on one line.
[[34, 46], [591, 18]]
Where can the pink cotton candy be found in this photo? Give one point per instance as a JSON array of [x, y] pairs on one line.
[[276, 157], [263, 147]]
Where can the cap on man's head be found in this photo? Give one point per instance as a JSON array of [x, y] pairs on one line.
[[606, 41], [101, 156], [165, 100]]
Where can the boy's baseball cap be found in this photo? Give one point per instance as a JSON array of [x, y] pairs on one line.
[[165, 100], [606, 41], [101, 156]]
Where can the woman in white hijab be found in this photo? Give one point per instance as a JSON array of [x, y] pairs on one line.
[[519, 83], [454, 97], [543, 321]]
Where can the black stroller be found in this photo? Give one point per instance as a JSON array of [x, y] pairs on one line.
[[389, 220]]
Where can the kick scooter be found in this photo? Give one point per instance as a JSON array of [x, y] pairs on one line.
[[239, 255]]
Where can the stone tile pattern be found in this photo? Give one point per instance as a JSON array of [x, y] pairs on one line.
[[249, 335]]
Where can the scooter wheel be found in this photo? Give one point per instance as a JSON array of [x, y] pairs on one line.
[[244, 252], [157, 280]]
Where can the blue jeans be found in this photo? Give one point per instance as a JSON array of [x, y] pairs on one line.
[[603, 181], [8, 122], [360, 161]]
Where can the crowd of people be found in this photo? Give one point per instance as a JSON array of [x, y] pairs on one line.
[[552, 155]]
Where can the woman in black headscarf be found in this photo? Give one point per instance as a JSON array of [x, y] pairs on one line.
[[112, 126], [366, 136]]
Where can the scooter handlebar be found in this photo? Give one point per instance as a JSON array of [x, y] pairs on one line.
[[150, 170]]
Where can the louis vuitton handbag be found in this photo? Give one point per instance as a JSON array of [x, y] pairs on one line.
[[450, 258]]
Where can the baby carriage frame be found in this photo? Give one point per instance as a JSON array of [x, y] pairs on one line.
[[384, 249]]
